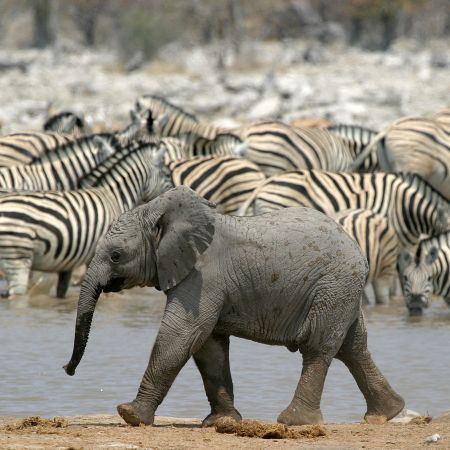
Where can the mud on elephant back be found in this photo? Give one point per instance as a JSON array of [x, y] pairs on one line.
[[291, 278]]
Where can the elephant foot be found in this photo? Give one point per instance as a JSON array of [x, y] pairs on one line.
[[211, 419], [135, 414], [389, 406], [300, 415]]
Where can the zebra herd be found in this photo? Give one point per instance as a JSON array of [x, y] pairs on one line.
[[61, 188]]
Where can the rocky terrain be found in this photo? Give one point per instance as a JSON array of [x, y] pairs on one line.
[[287, 80]]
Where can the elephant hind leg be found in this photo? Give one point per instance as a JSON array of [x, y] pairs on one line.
[[381, 399], [305, 406], [213, 362]]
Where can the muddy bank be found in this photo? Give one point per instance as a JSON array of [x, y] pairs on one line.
[[106, 431]]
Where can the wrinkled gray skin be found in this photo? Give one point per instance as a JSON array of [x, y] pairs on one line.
[[291, 278]]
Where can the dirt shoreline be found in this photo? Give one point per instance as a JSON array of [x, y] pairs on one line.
[[107, 431]]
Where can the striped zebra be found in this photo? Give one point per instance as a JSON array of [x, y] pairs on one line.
[[58, 231], [416, 145], [65, 122], [379, 244], [190, 145], [410, 204], [225, 180], [426, 273], [165, 119], [61, 169], [24, 148], [358, 138], [273, 146]]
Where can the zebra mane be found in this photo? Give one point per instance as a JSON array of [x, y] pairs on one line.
[[169, 106], [122, 152]]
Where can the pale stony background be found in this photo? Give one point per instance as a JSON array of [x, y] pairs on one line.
[[283, 80]]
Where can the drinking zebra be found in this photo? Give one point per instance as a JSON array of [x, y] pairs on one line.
[[379, 244], [411, 205], [416, 145], [426, 273]]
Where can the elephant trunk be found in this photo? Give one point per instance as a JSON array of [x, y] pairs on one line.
[[89, 294]]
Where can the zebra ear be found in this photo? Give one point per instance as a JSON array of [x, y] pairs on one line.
[[185, 230], [432, 255], [404, 261]]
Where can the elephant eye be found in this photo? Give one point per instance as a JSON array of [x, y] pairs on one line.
[[115, 256]]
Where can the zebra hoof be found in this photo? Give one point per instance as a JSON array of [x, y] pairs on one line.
[[4, 294]]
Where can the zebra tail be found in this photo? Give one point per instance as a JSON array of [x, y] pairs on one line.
[[243, 209], [368, 150]]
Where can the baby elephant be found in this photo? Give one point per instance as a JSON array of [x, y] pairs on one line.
[[292, 278]]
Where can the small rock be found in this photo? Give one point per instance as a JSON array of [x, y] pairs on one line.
[[266, 108], [433, 438]]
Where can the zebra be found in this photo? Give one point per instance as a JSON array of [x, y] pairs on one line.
[[227, 181], [58, 231], [426, 273], [65, 122], [189, 145], [274, 146], [379, 244], [22, 148], [358, 138], [165, 119], [61, 169], [410, 204], [416, 145], [25, 147]]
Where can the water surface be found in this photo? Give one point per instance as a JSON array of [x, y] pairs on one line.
[[36, 339]]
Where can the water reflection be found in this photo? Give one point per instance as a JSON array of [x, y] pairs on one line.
[[36, 340]]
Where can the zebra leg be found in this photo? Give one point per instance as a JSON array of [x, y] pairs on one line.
[[63, 283], [17, 272], [381, 399], [381, 287]]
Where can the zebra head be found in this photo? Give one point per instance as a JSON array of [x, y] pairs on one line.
[[416, 276]]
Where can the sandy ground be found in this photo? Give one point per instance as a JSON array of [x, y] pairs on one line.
[[104, 431]]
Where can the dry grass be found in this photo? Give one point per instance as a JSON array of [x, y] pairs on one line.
[[254, 428]]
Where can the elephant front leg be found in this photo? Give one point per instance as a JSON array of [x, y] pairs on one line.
[[180, 336], [305, 406], [214, 365]]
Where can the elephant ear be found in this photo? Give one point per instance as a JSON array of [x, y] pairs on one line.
[[186, 229]]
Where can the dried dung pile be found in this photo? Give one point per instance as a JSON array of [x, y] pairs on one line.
[[254, 428], [420, 420], [38, 424]]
